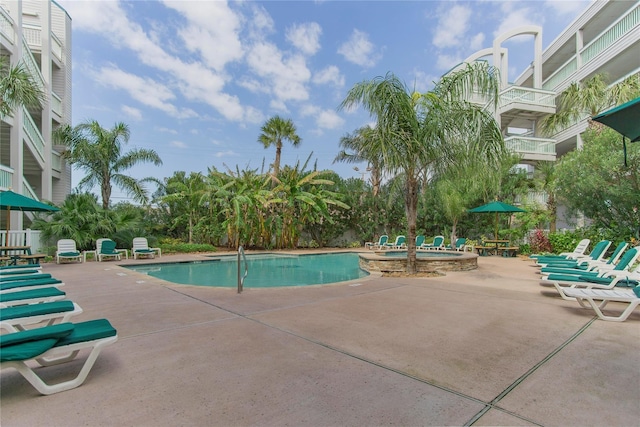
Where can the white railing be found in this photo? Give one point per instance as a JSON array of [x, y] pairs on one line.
[[28, 191], [562, 74], [611, 35], [6, 27], [526, 95], [56, 161], [56, 104], [31, 64], [32, 36], [531, 145], [56, 46], [26, 237], [32, 132], [6, 177]]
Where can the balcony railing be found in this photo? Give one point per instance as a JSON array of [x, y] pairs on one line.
[[604, 41], [6, 27], [6, 177], [611, 35], [56, 46], [32, 65], [56, 104], [56, 161], [32, 132], [530, 145], [538, 197], [561, 74], [526, 95]]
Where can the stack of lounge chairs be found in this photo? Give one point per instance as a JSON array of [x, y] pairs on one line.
[[593, 281], [35, 327]]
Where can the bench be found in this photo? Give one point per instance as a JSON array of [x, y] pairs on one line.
[[509, 251], [485, 250], [31, 259]]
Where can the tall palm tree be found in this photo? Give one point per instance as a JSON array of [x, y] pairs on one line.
[[274, 132], [354, 150], [588, 98], [17, 88], [424, 133], [99, 153]]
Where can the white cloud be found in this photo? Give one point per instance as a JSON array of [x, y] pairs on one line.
[[212, 30], [423, 82], [477, 42], [228, 153], [131, 112], [329, 119], [567, 7], [178, 144], [330, 74], [305, 37], [195, 80], [446, 61], [359, 50], [287, 75], [167, 130], [452, 26], [517, 17]]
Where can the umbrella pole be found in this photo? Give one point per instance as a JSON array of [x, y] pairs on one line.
[[496, 226], [6, 237]]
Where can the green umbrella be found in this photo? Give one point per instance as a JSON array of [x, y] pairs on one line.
[[496, 207], [625, 119], [11, 201]]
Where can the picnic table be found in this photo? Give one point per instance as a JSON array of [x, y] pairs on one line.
[[13, 254], [497, 247]]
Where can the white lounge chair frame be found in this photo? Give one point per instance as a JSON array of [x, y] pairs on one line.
[[58, 355], [142, 243], [67, 246], [19, 323], [588, 297]]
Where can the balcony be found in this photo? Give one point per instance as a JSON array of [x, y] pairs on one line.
[[34, 137], [516, 98], [6, 28], [6, 177], [532, 149]]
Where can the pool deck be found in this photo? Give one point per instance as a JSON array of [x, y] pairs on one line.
[[483, 347]]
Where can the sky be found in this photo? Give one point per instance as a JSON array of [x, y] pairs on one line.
[[196, 80]]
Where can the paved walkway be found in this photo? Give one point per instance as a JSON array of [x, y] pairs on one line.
[[486, 347]]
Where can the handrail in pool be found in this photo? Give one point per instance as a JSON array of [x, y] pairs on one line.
[[246, 268]]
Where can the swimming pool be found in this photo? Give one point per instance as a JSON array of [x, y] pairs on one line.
[[265, 270]]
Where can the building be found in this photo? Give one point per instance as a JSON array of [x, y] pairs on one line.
[[604, 38], [36, 34]]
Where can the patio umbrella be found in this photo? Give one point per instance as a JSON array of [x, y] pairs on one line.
[[624, 119], [11, 201], [497, 207]]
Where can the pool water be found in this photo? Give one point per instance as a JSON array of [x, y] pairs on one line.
[[265, 270]]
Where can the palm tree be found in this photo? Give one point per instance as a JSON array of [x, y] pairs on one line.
[[184, 194], [274, 131], [98, 152], [588, 98], [354, 150], [17, 88], [421, 134]]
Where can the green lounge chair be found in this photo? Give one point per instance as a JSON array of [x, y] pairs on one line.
[[596, 254], [29, 284], [31, 296], [141, 247], [14, 319], [458, 245], [437, 244], [53, 345], [400, 242], [67, 251], [379, 244], [419, 240], [108, 250]]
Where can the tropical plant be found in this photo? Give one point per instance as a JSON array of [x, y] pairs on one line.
[[420, 135], [595, 182], [183, 198], [99, 153], [17, 88], [355, 149], [588, 98], [274, 132]]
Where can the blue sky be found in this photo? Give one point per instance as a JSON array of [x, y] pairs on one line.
[[195, 80]]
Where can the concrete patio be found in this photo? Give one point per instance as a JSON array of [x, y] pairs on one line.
[[484, 347]]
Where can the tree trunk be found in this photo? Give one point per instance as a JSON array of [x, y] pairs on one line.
[[276, 163], [411, 204]]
